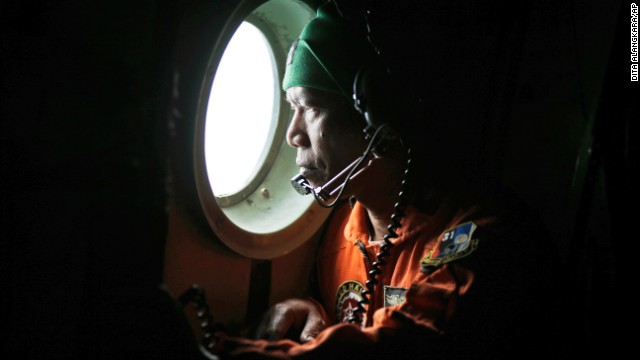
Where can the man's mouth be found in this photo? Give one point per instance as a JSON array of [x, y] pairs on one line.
[[312, 174]]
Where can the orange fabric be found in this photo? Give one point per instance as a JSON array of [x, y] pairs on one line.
[[430, 299]]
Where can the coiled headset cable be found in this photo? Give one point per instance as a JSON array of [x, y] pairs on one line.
[[375, 270]]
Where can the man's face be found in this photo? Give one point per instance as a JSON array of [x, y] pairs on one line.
[[326, 131]]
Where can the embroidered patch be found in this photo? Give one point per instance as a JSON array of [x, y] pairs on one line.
[[453, 244], [347, 298], [394, 295]]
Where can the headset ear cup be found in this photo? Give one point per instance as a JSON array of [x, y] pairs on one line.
[[373, 93]]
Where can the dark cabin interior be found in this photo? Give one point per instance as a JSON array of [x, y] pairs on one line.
[[85, 147]]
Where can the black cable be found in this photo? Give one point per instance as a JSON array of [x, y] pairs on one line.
[[195, 295], [376, 267]]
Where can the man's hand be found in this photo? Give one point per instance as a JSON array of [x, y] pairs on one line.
[[292, 317]]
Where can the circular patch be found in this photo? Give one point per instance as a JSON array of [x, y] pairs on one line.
[[347, 298]]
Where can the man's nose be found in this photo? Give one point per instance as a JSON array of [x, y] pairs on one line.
[[297, 136]]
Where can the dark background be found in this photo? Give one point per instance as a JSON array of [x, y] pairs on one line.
[[84, 92], [84, 88]]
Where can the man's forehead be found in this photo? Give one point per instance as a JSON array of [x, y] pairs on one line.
[[302, 95]]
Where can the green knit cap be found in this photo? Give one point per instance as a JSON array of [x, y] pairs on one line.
[[328, 54]]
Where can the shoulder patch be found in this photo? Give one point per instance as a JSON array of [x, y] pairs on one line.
[[452, 244]]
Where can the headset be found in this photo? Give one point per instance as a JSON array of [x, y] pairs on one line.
[[371, 95]]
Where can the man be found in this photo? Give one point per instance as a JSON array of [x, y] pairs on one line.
[[411, 265]]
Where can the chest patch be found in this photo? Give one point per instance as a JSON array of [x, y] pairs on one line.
[[394, 295], [453, 244], [347, 298]]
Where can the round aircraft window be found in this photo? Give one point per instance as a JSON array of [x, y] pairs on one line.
[[241, 119], [242, 162]]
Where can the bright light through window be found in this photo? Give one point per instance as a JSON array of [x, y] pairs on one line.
[[240, 114]]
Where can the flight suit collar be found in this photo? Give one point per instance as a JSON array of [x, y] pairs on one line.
[[357, 227]]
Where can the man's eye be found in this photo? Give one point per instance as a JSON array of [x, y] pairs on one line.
[[305, 109]]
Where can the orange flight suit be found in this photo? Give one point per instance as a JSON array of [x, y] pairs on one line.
[[492, 302]]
